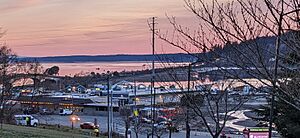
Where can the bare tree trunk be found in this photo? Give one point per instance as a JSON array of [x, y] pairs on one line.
[[188, 129], [2, 110], [2, 99], [277, 46], [216, 136], [126, 132]]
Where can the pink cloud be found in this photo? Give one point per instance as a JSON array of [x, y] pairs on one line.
[[67, 27]]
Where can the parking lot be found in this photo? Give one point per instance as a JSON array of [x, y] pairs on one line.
[[65, 121]]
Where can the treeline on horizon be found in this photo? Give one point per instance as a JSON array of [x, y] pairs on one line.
[[267, 41]]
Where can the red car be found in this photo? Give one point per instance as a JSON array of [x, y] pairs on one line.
[[88, 125]]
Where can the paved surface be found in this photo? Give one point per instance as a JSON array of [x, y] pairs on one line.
[[65, 121], [194, 134], [118, 126], [240, 117]]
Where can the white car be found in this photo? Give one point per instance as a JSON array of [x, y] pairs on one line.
[[21, 120], [65, 112]]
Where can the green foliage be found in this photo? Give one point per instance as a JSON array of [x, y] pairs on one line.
[[116, 74], [293, 58], [286, 118], [52, 71]]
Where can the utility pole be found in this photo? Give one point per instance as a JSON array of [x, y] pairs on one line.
[[187, 125], [188, 96], [134, 83], [111, 114], [108, 107], [153, 75]]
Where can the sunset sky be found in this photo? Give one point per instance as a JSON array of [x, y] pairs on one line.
[[85, 27]]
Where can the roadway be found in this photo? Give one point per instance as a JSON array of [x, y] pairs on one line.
[[118, 125]]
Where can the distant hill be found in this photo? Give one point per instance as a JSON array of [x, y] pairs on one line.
[[266, 44], [178, 57]]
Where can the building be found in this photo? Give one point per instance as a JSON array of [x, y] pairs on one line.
[[80, 106]]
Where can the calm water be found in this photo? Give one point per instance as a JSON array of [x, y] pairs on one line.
[[100, 67]]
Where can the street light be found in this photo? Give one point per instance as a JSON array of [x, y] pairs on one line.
[[74, 119], [109, 99]]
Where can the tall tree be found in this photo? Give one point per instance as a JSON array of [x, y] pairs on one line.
[[286, 117], [52, 71], [246, 23], [8, 70], [253, 37], [125, 113], [12, 69]]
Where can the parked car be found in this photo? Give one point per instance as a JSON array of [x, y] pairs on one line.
[[162, 119], [262, 124], [21, 120], [95, 93], [46, 112], [65, 112], [235, 132], [88, 125], [145, 120], [30, 110]]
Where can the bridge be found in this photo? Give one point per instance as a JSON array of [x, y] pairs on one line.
[[12, 79], [15, 77]]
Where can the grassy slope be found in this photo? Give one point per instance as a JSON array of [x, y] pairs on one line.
[[12, 131]]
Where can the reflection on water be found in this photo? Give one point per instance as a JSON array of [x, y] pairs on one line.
[[101, 67]]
